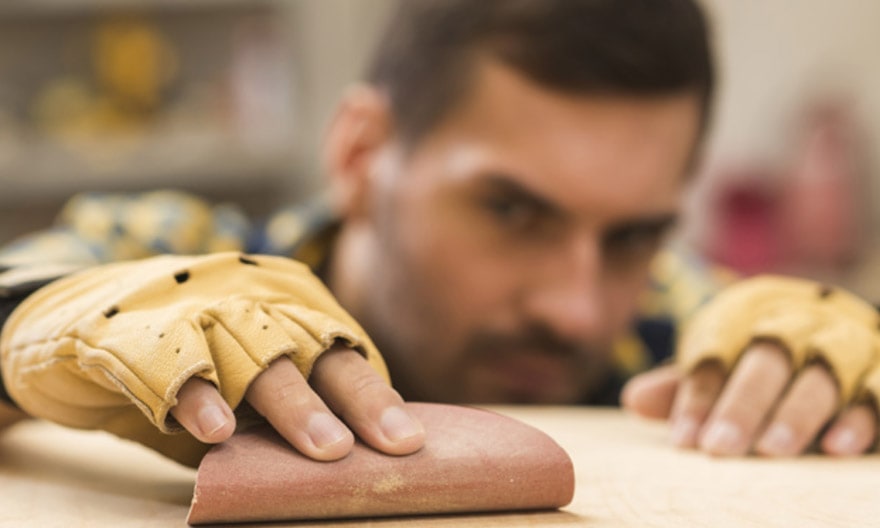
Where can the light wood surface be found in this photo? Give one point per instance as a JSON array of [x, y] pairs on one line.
[[627, 475]]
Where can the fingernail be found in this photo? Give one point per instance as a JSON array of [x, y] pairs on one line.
[[844, 442], [211, 419], [325, 430], [398, 425], [777, 440], [722, 438], [684, 432]]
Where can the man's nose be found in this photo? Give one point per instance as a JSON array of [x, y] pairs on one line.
[[567, 294]]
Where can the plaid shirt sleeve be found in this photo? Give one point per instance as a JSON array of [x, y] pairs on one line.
[[95, 228], [103, 227], [681, 281]]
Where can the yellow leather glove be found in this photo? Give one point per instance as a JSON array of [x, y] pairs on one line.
[[110, 347], [812, 322]]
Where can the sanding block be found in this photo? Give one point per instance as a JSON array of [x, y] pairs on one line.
[[473, 460]]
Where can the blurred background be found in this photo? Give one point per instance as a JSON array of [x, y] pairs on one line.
[[229, 98]]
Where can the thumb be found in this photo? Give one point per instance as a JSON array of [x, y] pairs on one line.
[[651, 394]]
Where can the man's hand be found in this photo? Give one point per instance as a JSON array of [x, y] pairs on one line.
[[772, 398], [342, 384], [755, 410], [143, 348]]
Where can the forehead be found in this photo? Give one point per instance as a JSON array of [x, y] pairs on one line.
[[582, 152]]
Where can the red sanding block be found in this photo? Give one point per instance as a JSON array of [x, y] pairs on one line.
[[473, 461]]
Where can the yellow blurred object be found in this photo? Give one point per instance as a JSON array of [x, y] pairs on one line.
[[133, 63], [66, 100]]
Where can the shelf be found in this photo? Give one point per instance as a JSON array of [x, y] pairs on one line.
[[68, 7], [224, 123], [44, 171]]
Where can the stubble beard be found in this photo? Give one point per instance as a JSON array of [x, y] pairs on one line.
[[430, 361]]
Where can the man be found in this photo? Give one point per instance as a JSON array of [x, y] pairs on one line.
[[502, 184]]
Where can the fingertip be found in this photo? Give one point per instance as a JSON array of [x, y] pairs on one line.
[[203, 412], [215, 422], [651, 394], [723, 438], [843, 441], [629, 395], [854, 432], [404, 434], [635, 396], [779, 440], [329, 438], [684, 432], [373, 409]]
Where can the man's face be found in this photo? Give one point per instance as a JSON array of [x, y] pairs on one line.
[[503, 254]]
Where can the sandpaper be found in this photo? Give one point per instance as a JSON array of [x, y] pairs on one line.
[[473, 461]]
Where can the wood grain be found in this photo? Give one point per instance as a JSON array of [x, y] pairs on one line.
[[626, 473]]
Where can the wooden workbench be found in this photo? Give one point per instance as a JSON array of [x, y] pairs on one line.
[[627, 475]]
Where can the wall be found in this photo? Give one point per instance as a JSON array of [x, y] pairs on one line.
[[775, 57], [774, 54]]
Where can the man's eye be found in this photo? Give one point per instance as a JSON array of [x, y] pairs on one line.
[[635, 243], [513, 213]]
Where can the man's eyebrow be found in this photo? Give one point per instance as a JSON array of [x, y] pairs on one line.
[[658, 223], [502, 183]]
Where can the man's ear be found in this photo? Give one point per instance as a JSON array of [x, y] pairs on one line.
[[360, 129]]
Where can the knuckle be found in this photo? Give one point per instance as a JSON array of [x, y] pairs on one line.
[[817, 390], [290, 392], [745, 411], [271, 389], [803, 431], [803, 427], [747, 407], [366, 384], [333, 361], [196, 392], [772, 356]]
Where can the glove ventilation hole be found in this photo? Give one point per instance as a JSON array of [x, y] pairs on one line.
[[248, 261], [110, 312], [825, 291], [181, 276]]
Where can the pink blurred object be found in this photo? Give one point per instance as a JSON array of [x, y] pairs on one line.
[[804, 219], [748, 232], [823, 207]]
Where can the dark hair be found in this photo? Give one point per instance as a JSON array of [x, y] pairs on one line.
[[427, 56]]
